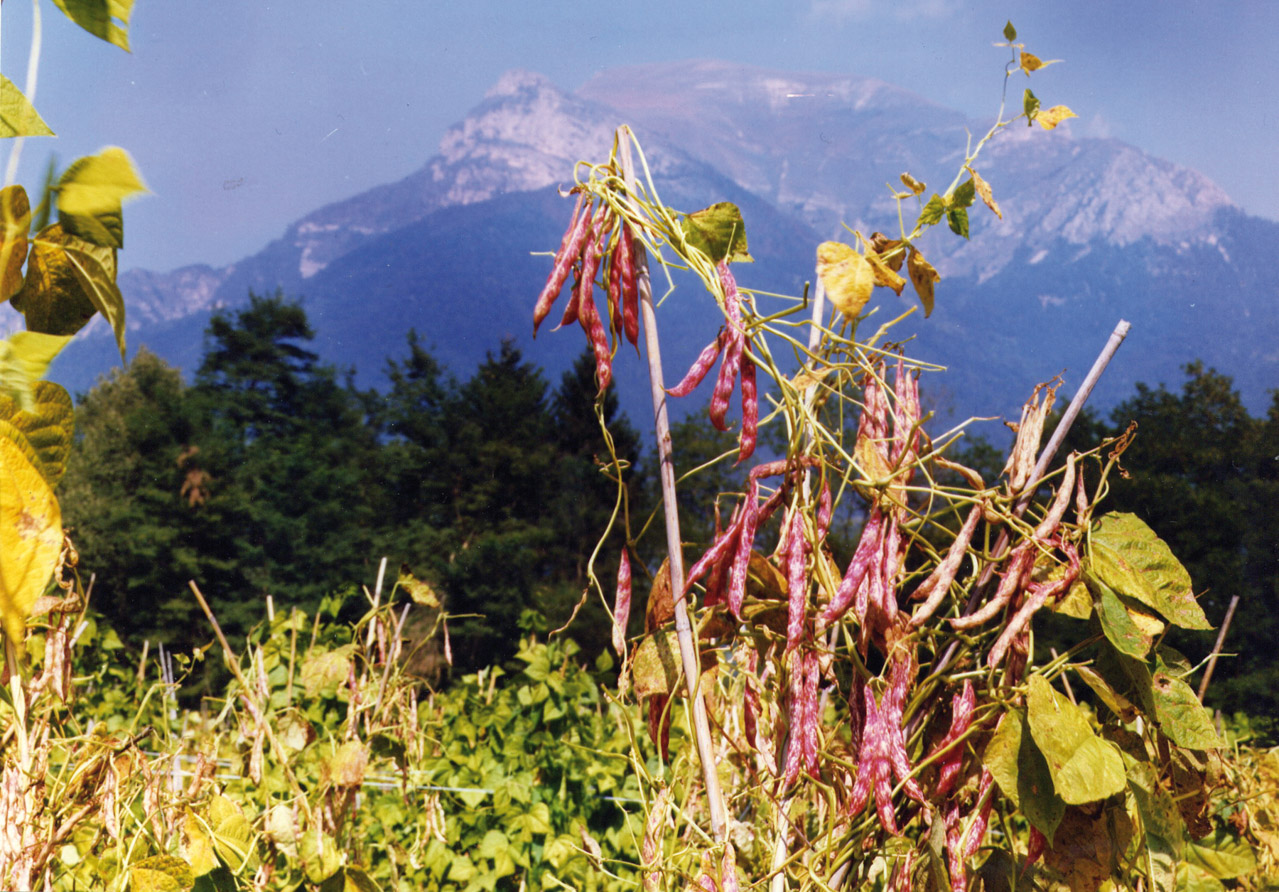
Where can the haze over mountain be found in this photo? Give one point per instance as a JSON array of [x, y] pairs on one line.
[[1093, 230]]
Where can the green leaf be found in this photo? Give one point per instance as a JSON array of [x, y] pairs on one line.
[[1030, 105], [217, 880], [933, 211], [963, 195], [68, 280], [1162, 825], [15, 216], [104, 19], [718, 232], [1193, 878], [957, 220], [1084, 767], [1222, 856], [1179, 713], [1022, 773], [18, 117], [231, 834], [1128, 556], [24, 359], [160, 873], [349, 879], [320, 858], [48, 427], [1117, 623], [91, 193], [1010, 33]]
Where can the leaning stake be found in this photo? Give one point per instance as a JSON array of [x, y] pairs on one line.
[[661, 425]]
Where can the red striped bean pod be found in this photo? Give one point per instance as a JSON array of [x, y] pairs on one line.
[[702, 365], [570, 248]]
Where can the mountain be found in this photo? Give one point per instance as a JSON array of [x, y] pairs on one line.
[[1092, 230]]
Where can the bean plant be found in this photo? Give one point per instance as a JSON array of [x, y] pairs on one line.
[[879, 715]]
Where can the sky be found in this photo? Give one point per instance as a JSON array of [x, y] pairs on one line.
[[244, 115]]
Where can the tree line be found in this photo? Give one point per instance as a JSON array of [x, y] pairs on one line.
[[272, 474]]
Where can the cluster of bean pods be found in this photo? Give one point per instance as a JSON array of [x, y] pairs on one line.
[[594, 237]]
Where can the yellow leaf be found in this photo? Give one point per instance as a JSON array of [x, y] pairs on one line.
[[983, 190], [914, 185], [30, 537], [846, 275], [923, 277], [1030, 62], [1054, 116], [15, 218], [884, 273]]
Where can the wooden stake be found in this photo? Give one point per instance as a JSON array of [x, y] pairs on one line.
[[661, 425]]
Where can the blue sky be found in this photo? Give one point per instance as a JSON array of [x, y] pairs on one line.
[[243, 115]]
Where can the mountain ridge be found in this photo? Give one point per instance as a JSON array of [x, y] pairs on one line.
[[805, 164]]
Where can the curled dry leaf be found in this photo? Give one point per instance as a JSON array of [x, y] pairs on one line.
[[983, 190], [923, 277], [1050, 118]]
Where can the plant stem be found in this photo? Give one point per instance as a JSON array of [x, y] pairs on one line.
[[1216, 648], [661, 426]]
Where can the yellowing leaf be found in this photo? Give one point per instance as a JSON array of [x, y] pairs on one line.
[[847, 277], [421, 592], [1030, 62], [1130, 558], [1050, 118], [91, 193], [914, 185], [104, 19], [347, 766], [322, 673], [30, 537], [199, 845], [1022, 774], [718, 232], [24, 358], [160, 873], [47, 426], [15, 217], [1084, 767], [1029, 105], [983, 190], [18, 116], [68, 280], [923, 277]]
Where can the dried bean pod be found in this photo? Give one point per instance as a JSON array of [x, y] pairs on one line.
[[796, 582], [868, 547], [700, 367], [726, 381], [824, 508], [622, 603], [961, 717], [615, 290], [588, 315], [1020, 563], [937, 585], [750, 412], [1039, 596], [745, 544], [1052, 519], [570, 248], [719, 548], [630, 287]]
